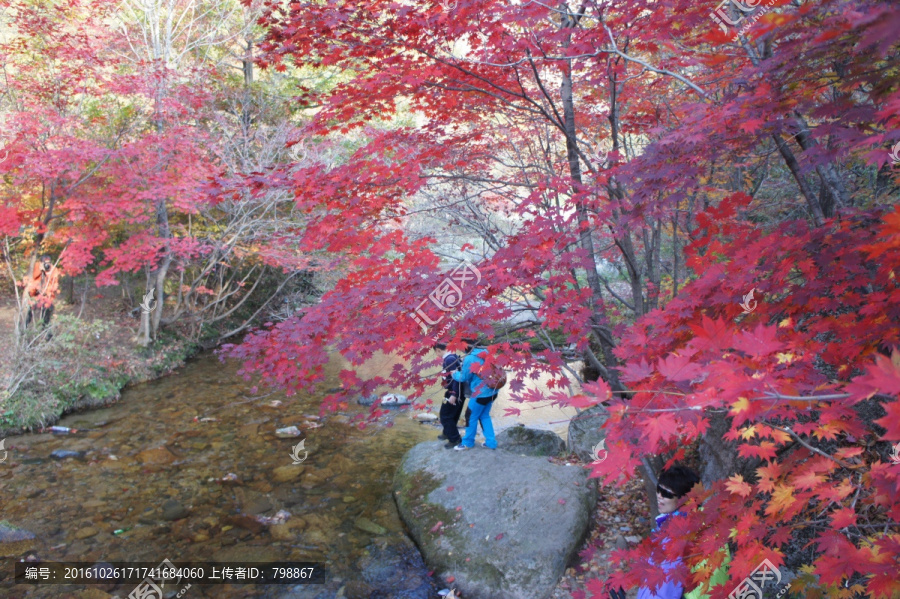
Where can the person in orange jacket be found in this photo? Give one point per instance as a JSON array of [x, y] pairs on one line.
[[42, 287]]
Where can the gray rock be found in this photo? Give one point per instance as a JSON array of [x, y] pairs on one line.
[[520, 518], [366, 400], [529, 441], [388, 400], [62, 454], [585, 432], [11, 534], [173, 510], [14, 541], [288, 432]]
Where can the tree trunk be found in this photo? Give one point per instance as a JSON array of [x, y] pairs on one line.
[[719, 458], [833, 191], [811, 200], [586, 240], [144, 330], [156, 279], [652, 249]]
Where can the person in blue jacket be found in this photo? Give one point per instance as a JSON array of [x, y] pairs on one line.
[[673, 485], [481, 398]]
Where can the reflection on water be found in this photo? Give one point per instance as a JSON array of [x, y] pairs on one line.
[[148, 483]]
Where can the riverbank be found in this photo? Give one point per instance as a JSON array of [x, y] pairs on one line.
[[86, 362]]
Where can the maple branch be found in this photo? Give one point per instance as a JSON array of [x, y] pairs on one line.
[[662, 410], [813, 398], [537, 78], [595, 362], [646, 65], [614, 294], [249, 321], [797, 438], [658, 391]]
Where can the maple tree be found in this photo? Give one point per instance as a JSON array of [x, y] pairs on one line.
[[80, 164], [619, 176], [700, 164], [115, 127]]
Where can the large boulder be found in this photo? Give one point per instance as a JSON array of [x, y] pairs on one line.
[[530, 441], [493, 524], [585, 432]]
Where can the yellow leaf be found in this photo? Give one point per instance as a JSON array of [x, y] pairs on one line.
[[748, 432], [737, 486], [779, 436], [741, 405], [828, 431], [782, 498], [785, 358], [785, 323]]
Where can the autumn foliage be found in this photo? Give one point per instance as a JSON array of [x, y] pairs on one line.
[[800, 378], [705, 164], [621, 175], [83, 160]]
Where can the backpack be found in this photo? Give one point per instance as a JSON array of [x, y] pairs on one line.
[[494, 377]]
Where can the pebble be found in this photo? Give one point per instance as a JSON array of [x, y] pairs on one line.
[[173, 510], [62, 454], [288, 432], [284, 474], [368, 526], [86, 532], [281, 532]]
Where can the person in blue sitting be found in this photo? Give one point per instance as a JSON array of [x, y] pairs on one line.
[[481, 398], [673, 485]]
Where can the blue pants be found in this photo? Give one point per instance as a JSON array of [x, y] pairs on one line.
[[480, 414]]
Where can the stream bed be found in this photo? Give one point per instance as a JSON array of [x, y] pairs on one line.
[[186, 468]]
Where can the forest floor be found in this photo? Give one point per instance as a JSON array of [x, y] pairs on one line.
[[622, 516]]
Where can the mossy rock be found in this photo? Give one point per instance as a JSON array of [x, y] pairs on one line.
[[529, 441], [504, 526]]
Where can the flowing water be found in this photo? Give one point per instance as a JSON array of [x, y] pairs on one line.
[[147, 481]]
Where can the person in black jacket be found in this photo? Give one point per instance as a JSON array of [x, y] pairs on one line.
[[454, 399]]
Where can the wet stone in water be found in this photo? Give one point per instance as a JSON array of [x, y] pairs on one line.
[[173, 510]]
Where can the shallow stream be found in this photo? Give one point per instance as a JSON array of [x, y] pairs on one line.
[[150, 481]]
